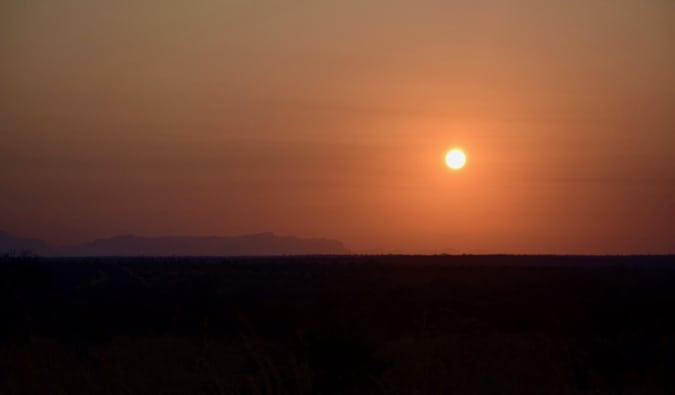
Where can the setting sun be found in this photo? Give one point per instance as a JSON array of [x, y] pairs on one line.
[[455, 159]]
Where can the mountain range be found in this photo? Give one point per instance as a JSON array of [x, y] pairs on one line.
[[260, 244]]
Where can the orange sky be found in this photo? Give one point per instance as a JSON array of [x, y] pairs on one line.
[[331, 119]]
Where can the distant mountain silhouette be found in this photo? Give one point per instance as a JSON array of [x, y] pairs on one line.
[[256, 244], [10, 243]]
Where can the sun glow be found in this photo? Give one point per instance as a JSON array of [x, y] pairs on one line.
[[455, 159]]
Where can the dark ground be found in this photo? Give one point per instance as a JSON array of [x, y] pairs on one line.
[[354, 325]]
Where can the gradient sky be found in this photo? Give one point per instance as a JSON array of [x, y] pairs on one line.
[[331, 119]]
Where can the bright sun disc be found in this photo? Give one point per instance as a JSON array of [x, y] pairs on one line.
[[455, 159]]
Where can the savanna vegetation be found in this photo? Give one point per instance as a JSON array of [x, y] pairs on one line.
[[337, 325]]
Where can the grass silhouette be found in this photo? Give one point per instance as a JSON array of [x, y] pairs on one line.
[[356, 325]]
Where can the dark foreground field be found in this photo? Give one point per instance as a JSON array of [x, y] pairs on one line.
[[355, 325]]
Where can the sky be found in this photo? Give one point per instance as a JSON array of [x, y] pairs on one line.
[[331, 119]]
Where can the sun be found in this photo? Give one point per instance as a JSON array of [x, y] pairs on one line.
[[455, 159]]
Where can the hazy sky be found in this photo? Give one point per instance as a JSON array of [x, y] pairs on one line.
[[331, 119]]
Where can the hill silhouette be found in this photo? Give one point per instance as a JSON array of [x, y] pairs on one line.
[[256, 244], [260, 244], [11, 243]]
